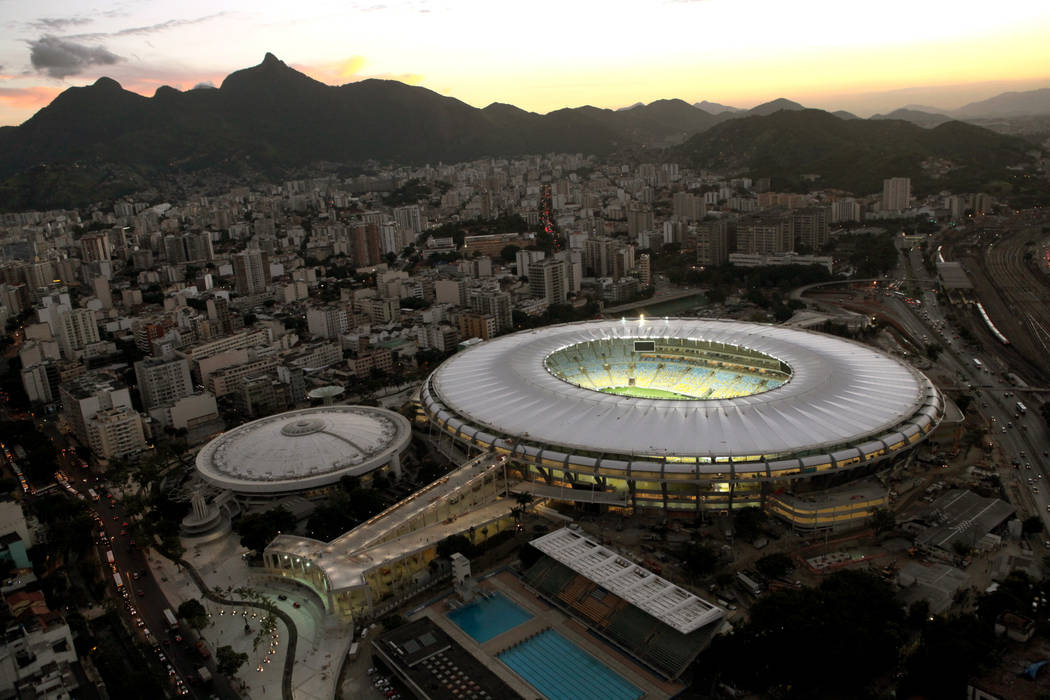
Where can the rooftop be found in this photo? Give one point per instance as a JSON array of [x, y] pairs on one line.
[[297, 449], [417, 520], [671, 605]]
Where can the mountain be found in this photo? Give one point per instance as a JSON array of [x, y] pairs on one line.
[[855, 154], [636, 104], [273, 116], [843, 114], [714, 107], [917, 117], [1008, 104], [774, 106]]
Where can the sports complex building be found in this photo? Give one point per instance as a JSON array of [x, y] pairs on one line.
[[305, 452], [682, 414]]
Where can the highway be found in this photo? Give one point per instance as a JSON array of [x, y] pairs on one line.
[[1022, 439]]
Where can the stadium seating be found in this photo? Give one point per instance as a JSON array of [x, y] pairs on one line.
[[610, 365]]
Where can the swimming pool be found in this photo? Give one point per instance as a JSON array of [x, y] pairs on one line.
[[489, 617], [560, 670]]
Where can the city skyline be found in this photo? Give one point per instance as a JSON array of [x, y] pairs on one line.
[[544, 59]]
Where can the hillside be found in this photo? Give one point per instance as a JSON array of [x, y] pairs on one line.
[[273, 114], [917, 117], [854, 154]]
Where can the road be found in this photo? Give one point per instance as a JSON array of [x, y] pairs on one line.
[[145, 602], [982, 372]]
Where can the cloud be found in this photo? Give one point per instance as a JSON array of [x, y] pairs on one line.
[[149, 28], [60, 57], [206, 85], [31, 97], [170, 24], [57, 24]]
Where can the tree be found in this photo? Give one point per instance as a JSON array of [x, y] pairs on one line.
[[775, 565], [194, 613], [748, 522], [456, 544], [831, 641], [258, 529], [700, 559], [883, 520], [229, 661], [509, 254], [1032, 525]]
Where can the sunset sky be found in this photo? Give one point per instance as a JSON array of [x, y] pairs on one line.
[[545, 54]]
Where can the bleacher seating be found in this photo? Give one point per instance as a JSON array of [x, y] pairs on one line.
[[602, 366], [658, 645]]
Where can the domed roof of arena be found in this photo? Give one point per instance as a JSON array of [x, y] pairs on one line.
[[304, 448]]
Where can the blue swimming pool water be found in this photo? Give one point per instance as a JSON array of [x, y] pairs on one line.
[[560, 670], [489, 617]]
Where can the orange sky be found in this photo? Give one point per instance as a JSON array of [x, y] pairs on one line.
[[545, 55]]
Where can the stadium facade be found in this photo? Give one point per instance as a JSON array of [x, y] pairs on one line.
[[681, 414]]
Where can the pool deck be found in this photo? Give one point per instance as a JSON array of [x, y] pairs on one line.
[[544, 617]]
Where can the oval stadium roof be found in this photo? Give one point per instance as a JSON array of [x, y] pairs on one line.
[[840, 393]]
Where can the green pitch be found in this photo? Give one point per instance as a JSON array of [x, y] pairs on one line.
[[645, 393]]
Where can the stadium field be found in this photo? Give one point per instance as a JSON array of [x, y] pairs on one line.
[[645, 392]]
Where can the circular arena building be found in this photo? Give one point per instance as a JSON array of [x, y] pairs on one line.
[[681, 414], [304, 452]]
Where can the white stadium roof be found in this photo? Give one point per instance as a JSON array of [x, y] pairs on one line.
[[303, 449], [841, 395], [668, 603]]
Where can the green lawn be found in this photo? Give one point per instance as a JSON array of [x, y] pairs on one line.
[[645, 393]]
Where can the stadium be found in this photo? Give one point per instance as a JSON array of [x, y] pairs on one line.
[[304, 452], [680, 414]]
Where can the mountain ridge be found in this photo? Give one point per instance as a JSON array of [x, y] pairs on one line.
[[272, 117]]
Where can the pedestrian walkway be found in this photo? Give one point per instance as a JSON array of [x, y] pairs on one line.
[[321, 643]]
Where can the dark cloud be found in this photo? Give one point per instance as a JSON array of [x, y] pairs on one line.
[[57, 24], [60, 57]]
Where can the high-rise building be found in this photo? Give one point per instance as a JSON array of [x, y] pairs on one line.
[[37, 383], [116, 432], [76, 329], [547, 280], [714, 241], [365, 246], [174, 250], [327, 321], [450, 292], [198, 246], [688, 207], [409, 220], [499, 305], [896, 193], [477, 325], [95, 247], [764, 236], [598, 255], [623, 261], [525, 258], [251, 272], [645, 273], [847, 209], [809, 227], [639, 218], [163, 380], [88, 394], [573, 269]]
